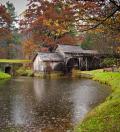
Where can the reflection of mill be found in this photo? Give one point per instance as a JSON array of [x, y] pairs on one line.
[[32, 104], [53, 105]]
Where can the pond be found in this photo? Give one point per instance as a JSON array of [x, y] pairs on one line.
[[39, 105]]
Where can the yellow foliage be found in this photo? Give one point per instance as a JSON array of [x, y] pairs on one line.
[[97, 30], [56, 23], [46, 22]]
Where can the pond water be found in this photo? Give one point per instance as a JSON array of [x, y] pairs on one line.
[[39, 105]]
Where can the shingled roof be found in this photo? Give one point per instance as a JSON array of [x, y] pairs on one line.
[[74, 49], [50, 56]]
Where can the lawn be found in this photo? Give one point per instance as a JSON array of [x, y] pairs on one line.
[[4, 76], [14, 61], [106, 116]]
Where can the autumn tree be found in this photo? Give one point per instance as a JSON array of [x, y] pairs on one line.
[[8, 32], [50, 22], [85, 14], [100, 20], [11, 10], [5, 21], [56, 21], [29, 48], [102, 42], [96, 14]]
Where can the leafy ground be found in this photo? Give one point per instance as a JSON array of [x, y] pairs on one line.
[[4, 76], [105, 117], [14, 61]]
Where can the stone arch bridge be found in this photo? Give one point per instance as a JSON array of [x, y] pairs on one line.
[[9, 66]]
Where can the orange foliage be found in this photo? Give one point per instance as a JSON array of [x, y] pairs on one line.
[[5, 21], [52, 21], [29, 48], [5, 34], [44, 49], [67, 39], [5, 17], [3, 53]]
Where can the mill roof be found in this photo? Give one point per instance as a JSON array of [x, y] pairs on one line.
[[50, 56], [74, 49]]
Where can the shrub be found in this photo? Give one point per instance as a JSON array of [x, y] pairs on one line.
[[4, 75], [108, 62], [23, 71]]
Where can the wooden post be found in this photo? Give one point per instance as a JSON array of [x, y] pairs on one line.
[[79, 63], [86, 64]]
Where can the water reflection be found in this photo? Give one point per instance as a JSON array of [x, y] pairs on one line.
[[30, 104], [39, 89], [85, 96], [20, 102]]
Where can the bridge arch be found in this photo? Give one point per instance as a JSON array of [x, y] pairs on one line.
[[8, 69]]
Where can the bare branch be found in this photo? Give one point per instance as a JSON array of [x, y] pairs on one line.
[[97, 25], [112, 1]]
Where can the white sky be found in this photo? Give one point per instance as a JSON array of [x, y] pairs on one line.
[[20, 5]]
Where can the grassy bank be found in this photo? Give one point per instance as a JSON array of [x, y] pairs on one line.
[[4, 76], [14, 61], [106, 116]]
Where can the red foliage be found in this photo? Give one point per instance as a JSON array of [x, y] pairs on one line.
[[5, 21], [52, 22], [44, 49]]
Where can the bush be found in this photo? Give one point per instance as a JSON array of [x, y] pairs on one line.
[[108, 62], [23, 71], [4, 75]]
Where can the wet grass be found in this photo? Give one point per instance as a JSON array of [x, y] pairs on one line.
[[4, 76], [105, 117]]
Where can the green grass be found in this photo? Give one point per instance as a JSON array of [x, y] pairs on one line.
[[4, 76], [14, 61], [105, 117]]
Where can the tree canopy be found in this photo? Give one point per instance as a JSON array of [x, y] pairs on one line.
[[8, 37], [63, 21], [51, 20]]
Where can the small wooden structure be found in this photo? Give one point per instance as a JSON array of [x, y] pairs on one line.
[[47, 62]]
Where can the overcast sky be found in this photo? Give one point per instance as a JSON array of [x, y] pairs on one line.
[[20, 5]]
